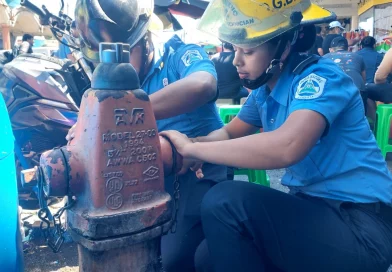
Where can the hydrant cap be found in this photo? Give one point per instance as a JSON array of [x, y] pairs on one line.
[[115, 72]]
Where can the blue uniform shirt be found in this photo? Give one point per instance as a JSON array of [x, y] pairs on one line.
[[351, 63], [372, 60], [64, 50], [346, 163], [176, 61]]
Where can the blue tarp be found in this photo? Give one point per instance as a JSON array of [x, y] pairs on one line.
[[13, 3]]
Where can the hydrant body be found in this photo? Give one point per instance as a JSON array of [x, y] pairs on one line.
[[114, 169]]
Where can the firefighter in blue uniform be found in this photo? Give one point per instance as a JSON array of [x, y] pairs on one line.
[[181, 83], [338, 214], [175, 62]]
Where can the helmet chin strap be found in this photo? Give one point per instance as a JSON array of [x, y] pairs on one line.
[[271, 70], [264, 78]]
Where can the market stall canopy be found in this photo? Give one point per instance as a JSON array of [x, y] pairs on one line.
[[165, 9], [28, 22], [20, 19], [189, 8], [189, 13]]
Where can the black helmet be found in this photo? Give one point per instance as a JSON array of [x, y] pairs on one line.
[[111, 21]]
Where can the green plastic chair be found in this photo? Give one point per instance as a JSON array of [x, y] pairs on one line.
[[227, 113], [383, 124], [255, 176]]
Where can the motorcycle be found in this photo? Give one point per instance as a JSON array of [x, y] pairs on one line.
[[42, 95]]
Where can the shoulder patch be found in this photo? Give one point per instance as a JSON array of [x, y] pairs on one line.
[[310, 87], [190, 57], [165, 82]]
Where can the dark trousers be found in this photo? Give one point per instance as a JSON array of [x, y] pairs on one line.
[[249, 228], [379, 92], [178, 249]]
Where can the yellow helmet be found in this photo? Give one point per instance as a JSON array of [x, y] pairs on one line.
[[250, 23]]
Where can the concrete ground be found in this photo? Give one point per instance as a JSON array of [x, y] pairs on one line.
[[39, 258]]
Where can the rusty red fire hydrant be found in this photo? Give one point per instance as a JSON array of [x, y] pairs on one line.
[[114, 170]]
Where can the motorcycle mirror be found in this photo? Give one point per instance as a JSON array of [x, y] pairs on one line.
[[62, 6]]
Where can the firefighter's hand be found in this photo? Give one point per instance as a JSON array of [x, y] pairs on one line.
[[180, 142], [71, 133], [195, 166]]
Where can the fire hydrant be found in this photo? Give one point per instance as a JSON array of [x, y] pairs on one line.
[[114, 170]]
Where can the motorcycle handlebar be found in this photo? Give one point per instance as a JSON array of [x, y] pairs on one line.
[[37, 10]]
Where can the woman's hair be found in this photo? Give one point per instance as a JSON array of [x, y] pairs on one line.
[[318, 29], [368, 41], [304, 38], [27, 37], [274, 42], [228, 46]]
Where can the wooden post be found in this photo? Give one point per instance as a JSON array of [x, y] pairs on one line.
[[6, 37]]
